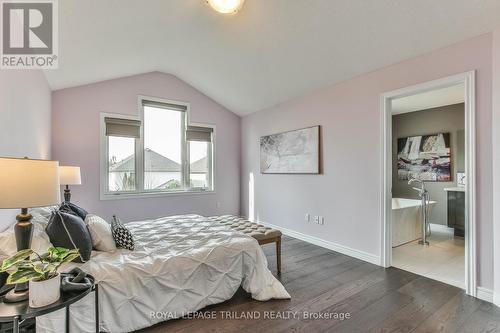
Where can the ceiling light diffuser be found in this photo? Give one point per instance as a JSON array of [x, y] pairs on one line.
[[226, 6]]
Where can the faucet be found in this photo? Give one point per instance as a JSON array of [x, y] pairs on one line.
[[421, 191], [424, 195]]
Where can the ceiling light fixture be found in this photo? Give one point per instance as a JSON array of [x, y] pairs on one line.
[[226, 6]]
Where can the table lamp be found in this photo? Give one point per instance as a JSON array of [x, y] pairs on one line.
[[24, 184], [69, 175]]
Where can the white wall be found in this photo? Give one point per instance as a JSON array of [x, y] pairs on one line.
[[496, 159], [25, 108], [348, 193]]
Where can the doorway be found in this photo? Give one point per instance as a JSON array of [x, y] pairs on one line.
[[425, 156]]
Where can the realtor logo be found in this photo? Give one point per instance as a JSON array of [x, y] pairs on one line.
[[29, 34]]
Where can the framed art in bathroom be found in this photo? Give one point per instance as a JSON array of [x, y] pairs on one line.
[[425, 157]]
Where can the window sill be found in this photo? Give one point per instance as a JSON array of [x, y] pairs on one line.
[[142, 195]]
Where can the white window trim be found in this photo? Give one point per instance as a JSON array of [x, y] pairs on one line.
[[107, 195]]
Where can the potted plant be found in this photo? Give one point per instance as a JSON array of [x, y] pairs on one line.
[[41, 271]]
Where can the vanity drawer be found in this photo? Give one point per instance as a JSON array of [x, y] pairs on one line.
[[456, 212]]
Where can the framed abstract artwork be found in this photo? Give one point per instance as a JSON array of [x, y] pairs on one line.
[[425, 157], [292, 152]]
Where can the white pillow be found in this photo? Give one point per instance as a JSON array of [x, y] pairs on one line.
[[100, 232], [42, 215], [39, 243]]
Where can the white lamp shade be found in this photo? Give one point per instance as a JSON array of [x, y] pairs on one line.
[[28, 183], [69, 175]]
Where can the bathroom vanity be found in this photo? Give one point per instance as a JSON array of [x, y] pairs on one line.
[[456, 210]]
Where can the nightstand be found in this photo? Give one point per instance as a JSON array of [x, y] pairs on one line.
[[15, 316]]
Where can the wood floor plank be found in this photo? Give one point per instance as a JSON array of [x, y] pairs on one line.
[[427, 297], [486, 319], [301, 290], [328, 267], [324, 281], [385, 289], [450, 317]]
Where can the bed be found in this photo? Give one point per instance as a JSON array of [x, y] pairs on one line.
[[180, 264]]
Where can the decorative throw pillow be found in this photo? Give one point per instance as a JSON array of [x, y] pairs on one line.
[[69, 231], [71, 208], [122, 236], [100, 231]]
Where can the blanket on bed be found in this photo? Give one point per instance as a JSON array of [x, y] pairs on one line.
[[180, 265]]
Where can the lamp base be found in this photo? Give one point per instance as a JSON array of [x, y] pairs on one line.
[[67, 194], [23, 231]]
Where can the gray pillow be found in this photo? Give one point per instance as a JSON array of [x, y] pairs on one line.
[[71, 208], [70, 232]]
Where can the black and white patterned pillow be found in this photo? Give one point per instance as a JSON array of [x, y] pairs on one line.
[[122, 236]]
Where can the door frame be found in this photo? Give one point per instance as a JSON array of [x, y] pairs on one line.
[[468, 80]]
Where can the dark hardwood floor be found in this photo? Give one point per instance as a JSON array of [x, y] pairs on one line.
[[327, 282]]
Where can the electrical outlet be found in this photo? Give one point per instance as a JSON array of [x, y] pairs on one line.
[[319, 220], [307, 217]]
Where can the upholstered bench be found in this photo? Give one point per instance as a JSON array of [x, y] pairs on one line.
[[262, 234]]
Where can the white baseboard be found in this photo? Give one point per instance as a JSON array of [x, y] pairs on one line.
[[368, 257], [496, 299], [484, 294]]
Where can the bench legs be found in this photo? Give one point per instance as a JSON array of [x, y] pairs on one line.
[[278, 254], [276, 240]]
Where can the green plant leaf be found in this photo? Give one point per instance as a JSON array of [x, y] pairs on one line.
[[16, 259], [58, 251], [73, 251], [39, 267], [42, 267], [57, 254], [23, 275], [70, 258]]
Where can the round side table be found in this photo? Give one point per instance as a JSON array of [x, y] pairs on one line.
[[18, 313]]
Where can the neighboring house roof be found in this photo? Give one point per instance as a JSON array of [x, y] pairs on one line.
[[154, 162], [200, 166], [158, 163]]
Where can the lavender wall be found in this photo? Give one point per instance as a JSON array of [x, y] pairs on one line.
[[24, 120], [496, 159], [75, 141], [348, 193]]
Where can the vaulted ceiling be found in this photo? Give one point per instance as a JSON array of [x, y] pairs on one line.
[[272, 51]]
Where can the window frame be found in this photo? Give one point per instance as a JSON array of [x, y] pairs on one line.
[[140, 192]]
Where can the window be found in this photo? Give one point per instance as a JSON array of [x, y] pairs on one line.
[[163, 144], [121, 160], [200, 151], [158, 154], [121, 165]]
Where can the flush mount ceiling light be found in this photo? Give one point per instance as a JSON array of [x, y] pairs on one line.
[[226, 6]]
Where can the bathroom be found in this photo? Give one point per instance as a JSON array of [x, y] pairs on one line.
[[429, 159]]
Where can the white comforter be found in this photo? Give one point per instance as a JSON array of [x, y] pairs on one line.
[[180, 264]]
